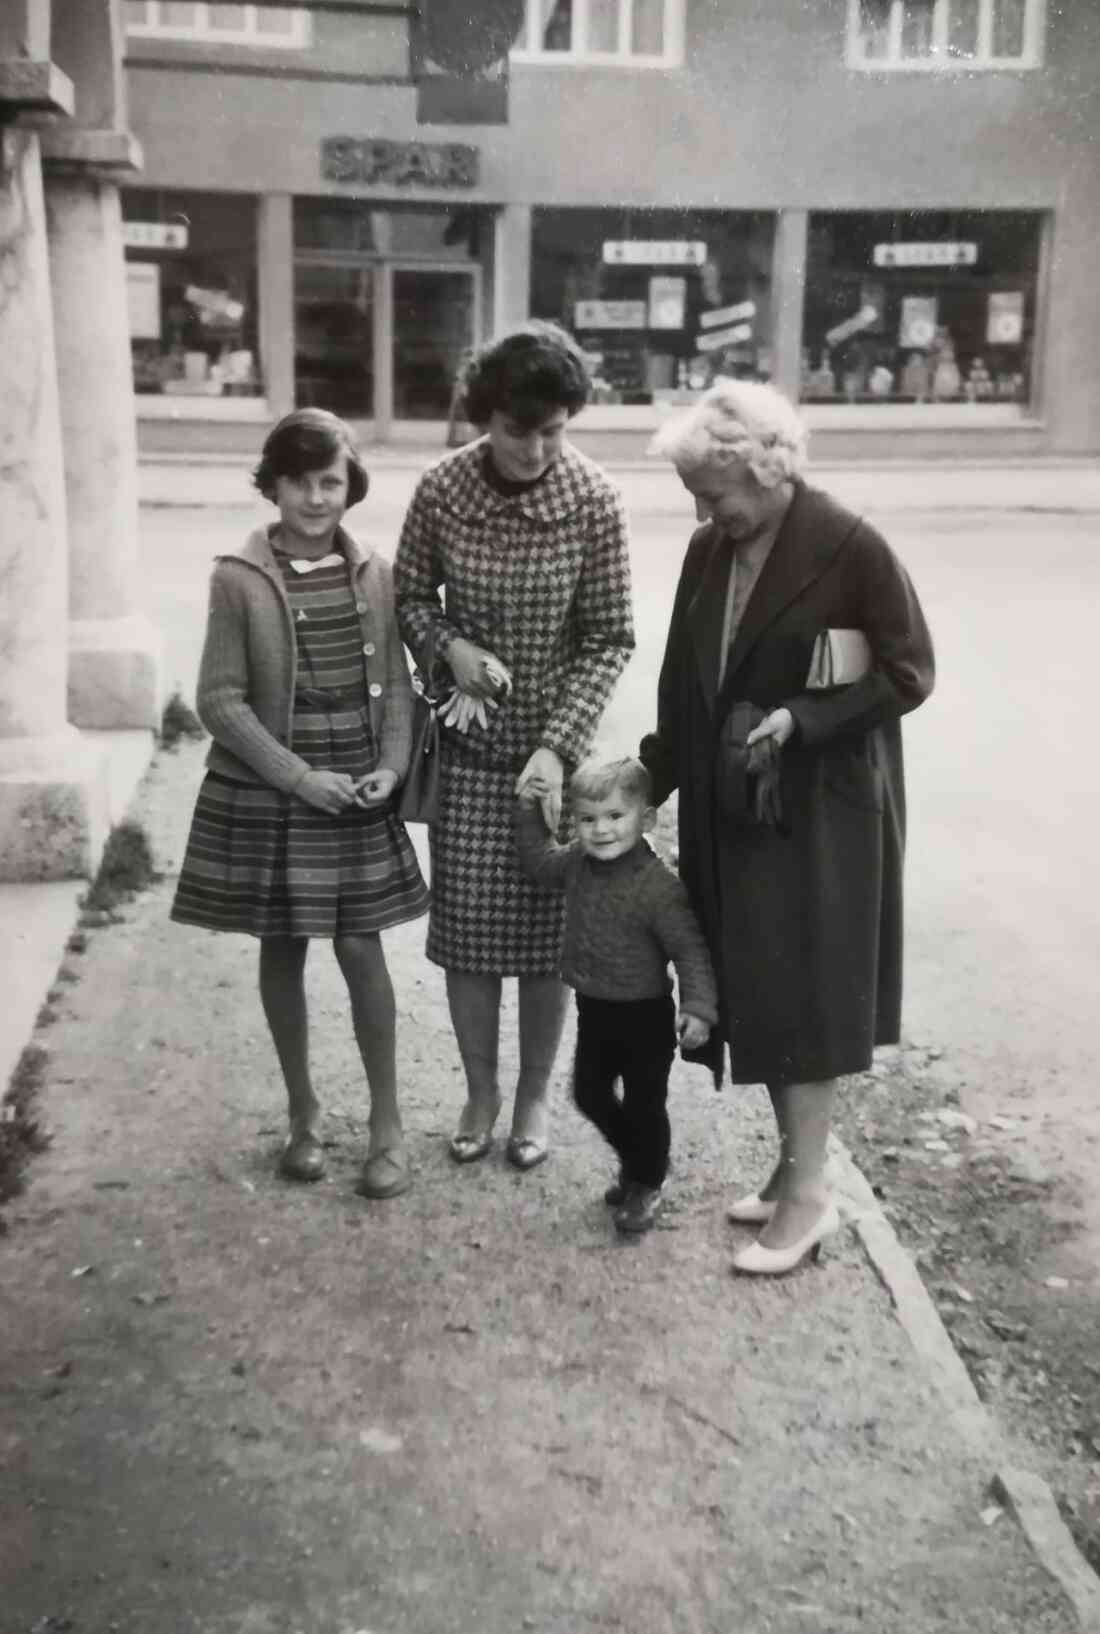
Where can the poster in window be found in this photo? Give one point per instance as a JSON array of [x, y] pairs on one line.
[[143, 299], [667, 303], [917, 329], [1004, 325]]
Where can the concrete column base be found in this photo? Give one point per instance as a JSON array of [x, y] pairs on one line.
[[54, 807], [114, 677]]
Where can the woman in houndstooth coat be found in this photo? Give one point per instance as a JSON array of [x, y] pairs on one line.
[[514, 556]]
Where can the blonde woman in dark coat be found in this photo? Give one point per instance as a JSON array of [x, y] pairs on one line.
[[798, 886]]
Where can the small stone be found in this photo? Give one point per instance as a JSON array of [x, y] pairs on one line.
[[936, 1145], [1056, 1282]]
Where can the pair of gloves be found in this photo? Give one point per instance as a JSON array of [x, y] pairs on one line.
[[461, 710]]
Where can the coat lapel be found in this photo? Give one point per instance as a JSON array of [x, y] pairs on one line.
[[812, 532], [707, 612]]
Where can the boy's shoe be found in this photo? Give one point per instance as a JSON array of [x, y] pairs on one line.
[[615, 1195], [639, 1210]]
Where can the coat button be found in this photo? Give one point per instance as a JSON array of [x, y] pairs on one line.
[[375, 690], [369, 648], [360, 606]]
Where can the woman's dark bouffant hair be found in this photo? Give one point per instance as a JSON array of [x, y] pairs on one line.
[[308, 440], [534, 370]]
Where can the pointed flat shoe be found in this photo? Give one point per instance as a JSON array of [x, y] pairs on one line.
[[470, 1148], [302, 1158], [524, 1152]]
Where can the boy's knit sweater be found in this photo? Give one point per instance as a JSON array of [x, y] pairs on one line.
[[624, 920]]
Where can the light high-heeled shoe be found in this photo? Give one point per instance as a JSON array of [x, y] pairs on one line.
[[758, 1261], [750, 1210]]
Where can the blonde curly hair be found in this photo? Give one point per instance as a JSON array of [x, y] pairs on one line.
[[737, 422]]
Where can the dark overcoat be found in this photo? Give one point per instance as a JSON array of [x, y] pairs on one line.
[[804, 921]]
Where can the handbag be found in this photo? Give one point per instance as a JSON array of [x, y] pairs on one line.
[[839, 658], [418, 801]]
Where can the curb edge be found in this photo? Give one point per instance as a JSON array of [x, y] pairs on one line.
[[1025, 1495]]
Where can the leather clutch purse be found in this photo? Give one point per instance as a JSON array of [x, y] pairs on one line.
[[839, 658]]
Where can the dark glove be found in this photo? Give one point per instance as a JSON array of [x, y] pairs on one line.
[[763, 770]]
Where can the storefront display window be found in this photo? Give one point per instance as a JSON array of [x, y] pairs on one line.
[[921, 307], [663, 301], [191, 286]]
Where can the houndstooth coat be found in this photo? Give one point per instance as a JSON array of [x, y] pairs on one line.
[[542, 580]]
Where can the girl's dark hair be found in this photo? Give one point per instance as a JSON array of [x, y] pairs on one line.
[[531, 372], [308, 440]]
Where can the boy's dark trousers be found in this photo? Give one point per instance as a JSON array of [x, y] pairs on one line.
[[635, 1040]]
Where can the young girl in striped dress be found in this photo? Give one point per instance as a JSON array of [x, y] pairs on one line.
[[305, 691]]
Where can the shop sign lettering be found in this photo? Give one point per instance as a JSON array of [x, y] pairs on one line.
[[609, 314], [154, 235], [926, 255], [660, 252], [375, 160]]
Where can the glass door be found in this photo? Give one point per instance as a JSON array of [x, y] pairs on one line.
[[435, 323], [334, 337]]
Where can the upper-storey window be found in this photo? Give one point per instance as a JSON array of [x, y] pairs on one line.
[[215, 23], [945, 34], [632, 33]]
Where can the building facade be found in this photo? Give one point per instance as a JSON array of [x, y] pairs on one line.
[[888, 207]]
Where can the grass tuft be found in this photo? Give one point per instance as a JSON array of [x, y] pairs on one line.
[[127, 868], [21, 1133], [179, 721]]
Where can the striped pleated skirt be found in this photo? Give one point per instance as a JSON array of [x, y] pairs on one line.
[[268, 864]]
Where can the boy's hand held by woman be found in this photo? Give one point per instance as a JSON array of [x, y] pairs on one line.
[[542, 776]]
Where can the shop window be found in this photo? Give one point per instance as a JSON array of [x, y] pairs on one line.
[[945, 34], [663, 301], [637, 33], [209, 22], [921, 307], [191, 286]]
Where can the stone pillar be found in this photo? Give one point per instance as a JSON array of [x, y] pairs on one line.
[[512, 271], [276, 292], [53, 784], [788, 294], [114, 650]]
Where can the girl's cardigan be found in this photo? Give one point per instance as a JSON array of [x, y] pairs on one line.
[[247, 675]]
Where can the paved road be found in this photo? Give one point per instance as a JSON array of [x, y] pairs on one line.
[[1003, 927]]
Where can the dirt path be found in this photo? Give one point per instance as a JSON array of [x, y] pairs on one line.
[[234, 1407]]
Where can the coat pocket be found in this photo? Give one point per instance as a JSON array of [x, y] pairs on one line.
[[852, 773]]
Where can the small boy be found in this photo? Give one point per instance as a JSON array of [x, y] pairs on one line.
[[626, 916]]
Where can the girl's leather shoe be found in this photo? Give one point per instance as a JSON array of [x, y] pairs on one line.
[[303, 1158], [750, 1210], [758, 1261]]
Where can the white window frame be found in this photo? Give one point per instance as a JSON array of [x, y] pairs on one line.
[[294, 39], [940, 61], [529, 49]]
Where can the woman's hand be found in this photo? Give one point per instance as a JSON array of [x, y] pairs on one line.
[[778, 725], [542, 776], [476, 670], [328, 791], [692, 1031], [376, 788]]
